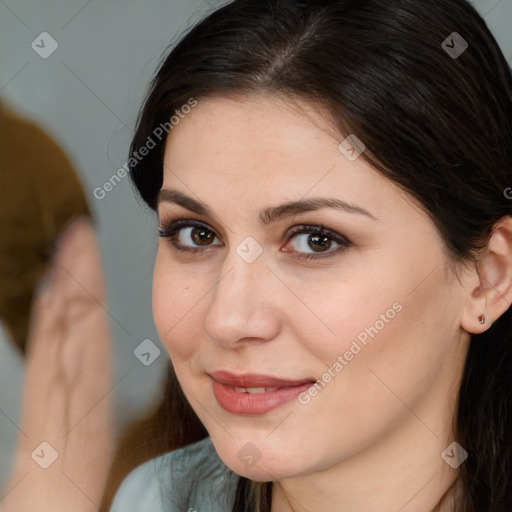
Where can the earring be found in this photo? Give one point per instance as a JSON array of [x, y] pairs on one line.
[[481, 319]]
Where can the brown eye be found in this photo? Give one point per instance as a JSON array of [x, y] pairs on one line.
[[310, 241], [188, 235], [201, 236], [319, 242]]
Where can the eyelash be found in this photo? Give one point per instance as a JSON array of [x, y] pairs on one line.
[[170, 231]]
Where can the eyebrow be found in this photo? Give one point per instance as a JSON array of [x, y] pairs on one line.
[[270, 214]]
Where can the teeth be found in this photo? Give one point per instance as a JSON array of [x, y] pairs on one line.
[[255, 390]]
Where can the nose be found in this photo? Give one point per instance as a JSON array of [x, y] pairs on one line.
[[244, 303]]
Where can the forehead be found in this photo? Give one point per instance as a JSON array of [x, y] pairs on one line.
[[258, 124], [270, 148]]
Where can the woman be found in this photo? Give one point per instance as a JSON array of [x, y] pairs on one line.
[[334, 273]]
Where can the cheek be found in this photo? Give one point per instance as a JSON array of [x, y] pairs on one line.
[[176, 306], [401, 351], [364, 327], [347, 318]]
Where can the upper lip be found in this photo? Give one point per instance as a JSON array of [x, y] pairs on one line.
[[253, 380]]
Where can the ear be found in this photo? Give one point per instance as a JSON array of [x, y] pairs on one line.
[[490, 284]]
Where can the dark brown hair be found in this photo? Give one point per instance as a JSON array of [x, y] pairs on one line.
[[437, 125]]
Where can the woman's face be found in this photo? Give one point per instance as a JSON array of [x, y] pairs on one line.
[[372, 316]]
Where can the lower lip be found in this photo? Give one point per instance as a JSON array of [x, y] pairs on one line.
[[258, 403]]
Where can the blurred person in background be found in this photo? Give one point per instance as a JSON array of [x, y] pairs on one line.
[[52, 305]]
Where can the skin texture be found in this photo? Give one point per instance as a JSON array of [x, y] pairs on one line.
[[372, 438]]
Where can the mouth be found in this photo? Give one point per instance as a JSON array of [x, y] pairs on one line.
[[255, 391], [257, 382], [255, 394]]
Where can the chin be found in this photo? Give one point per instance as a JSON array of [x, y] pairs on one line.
[[250, 463], [262, 472]]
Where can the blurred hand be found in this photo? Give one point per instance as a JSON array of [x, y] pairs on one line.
[[68, 385]]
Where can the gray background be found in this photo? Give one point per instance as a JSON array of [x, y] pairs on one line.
[[87, 95]]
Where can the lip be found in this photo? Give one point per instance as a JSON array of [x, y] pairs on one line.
[[247, 404], [254, 380]]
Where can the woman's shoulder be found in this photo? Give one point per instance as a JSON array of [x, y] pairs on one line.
[[189, 476]]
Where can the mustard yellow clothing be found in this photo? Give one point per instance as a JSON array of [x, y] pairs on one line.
[[40, 193]]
